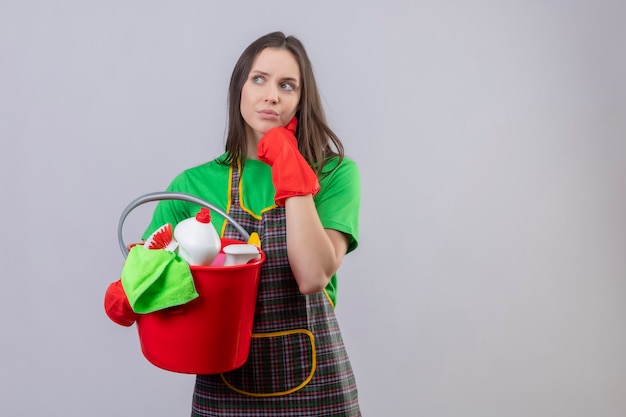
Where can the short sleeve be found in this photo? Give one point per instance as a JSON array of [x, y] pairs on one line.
[[339, 199]]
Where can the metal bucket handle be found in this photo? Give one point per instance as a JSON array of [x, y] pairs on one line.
[[166, 195]]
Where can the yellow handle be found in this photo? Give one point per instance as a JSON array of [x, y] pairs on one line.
[[254, 239]]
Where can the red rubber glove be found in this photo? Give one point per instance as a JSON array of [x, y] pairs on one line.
[[116, 305], [291, 174]]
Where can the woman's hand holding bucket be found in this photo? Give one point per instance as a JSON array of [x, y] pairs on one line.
[[117, 306]]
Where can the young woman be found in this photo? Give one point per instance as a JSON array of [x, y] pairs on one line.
[[284, 176]]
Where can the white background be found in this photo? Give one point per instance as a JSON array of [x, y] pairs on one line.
[[491, 138]]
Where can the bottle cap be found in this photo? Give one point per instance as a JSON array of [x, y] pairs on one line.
[[204, 215]]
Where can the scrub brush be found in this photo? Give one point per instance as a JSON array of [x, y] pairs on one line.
[[162, 238]]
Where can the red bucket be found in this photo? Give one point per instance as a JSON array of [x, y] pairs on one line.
[[210, 334]]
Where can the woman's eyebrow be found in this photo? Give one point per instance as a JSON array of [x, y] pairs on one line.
[[293, 79], [267, 74]]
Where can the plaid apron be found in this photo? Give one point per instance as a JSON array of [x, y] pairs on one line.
[[298, 365]]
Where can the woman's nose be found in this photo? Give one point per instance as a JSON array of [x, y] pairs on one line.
[[271, 96]]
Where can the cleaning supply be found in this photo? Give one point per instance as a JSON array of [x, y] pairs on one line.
[[210, 334], [156, 279], [162, 238], [254, 239], [198, 241], [240, 253]]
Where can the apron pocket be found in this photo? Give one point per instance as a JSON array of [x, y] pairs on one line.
[[279, 363]]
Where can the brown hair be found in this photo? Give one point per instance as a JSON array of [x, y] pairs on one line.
[[316, 141]]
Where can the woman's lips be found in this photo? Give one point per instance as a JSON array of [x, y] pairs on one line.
[[268, 114]]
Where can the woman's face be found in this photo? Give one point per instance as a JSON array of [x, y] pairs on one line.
[[271, 94]]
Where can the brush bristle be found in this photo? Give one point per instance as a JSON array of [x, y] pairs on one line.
[[161, 238]]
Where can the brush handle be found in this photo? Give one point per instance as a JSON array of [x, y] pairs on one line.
[[166, 195]]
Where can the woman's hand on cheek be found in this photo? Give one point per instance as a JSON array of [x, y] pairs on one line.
[[291, 174], [275, 139]]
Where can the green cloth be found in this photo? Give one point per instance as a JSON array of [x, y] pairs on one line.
[[337, 202], [154, 279]]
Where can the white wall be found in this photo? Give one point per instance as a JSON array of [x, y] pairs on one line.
[[490, 280]]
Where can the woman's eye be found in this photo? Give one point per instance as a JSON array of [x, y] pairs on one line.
[[287, 86], [257, 79]]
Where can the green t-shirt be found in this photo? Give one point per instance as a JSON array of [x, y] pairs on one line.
[[337, 202]]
